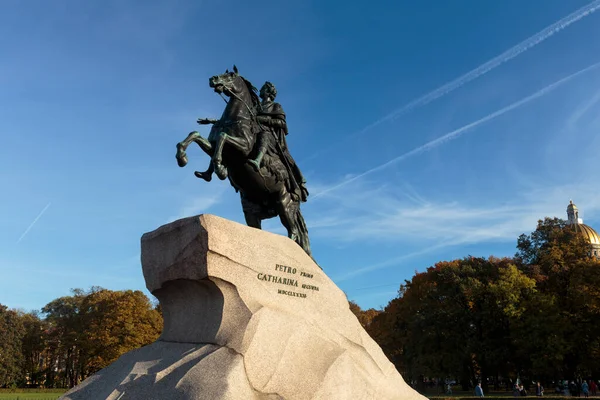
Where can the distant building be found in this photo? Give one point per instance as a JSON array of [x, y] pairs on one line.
[[588, 232]]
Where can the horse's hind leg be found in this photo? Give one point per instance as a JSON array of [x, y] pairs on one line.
[[292, 220], [252, 220], [303, 239], [284, 207]]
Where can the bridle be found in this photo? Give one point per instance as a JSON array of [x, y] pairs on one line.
[[250, 110]]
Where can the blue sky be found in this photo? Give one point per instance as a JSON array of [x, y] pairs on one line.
[[94, 96]]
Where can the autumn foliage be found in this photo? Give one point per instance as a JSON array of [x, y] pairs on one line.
[[74, 336], [535, 316]]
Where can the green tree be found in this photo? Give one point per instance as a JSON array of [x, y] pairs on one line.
[[64, 337], [454, 319], [560, 261], [534, 316], [33, 348], [11, 334]]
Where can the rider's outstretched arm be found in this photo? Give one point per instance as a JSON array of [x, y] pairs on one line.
[[206, 121]]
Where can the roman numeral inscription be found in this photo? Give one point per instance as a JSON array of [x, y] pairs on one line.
[[289, 276]]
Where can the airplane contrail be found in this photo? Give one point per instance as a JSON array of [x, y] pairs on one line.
[[33, 223], [457, 132], [479, 71]]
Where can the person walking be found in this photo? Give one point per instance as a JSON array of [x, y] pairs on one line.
[[516, 391], [585, 389], [539, 390], [479, 390]]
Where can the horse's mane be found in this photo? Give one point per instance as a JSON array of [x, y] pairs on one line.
[[252, 90]]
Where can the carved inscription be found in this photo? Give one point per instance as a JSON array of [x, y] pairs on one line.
[[311, 287], [279, 291], [277, 279], [287, 280]]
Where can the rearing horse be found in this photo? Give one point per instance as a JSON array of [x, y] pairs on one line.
[[231, 142]]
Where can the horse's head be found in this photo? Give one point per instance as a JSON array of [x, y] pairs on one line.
[[229, 82]]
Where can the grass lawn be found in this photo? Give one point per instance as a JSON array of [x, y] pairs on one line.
[[433, 394], [28, 396]]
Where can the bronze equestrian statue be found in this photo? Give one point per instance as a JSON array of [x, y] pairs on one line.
[[248, 146]]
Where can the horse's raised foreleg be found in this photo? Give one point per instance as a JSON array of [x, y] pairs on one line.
[[182, 146], [194, 136], [237, 142], [205, 145], [206, 175]]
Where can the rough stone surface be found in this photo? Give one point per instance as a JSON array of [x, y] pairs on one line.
[[231, 334]]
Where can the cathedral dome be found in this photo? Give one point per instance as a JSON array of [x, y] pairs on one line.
[[588, 233], [577, 223]]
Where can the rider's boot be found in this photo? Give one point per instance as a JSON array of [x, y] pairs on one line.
[[262, 148], [257, 161]]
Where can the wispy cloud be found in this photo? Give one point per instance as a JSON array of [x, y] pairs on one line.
[[195, 204], [352, 273], [386, 215], [33, 223], [434, 225], [457, 132], [484, 68]]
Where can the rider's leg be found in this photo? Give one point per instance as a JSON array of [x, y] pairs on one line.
[[262, 148]]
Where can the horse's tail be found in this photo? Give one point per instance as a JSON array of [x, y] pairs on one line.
[[303, 240]]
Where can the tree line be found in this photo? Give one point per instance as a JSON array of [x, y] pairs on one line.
[[533, 317], [73, 336]]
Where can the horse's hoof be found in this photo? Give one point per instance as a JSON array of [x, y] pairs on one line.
[[182, 160], [221, 172], [181, 156], [203, 175]]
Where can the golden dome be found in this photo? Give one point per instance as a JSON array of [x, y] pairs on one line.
[[577, 223], [588, 233]]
